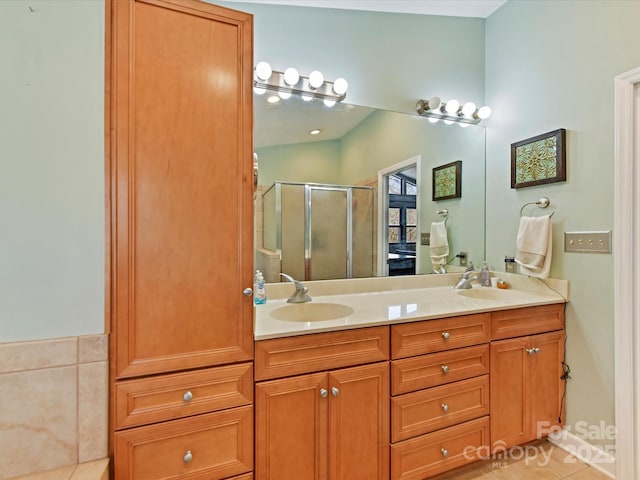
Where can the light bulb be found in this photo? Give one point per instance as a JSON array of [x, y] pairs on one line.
[[448, 122], [284, 95], [259, 91], [329, 103], [306, 98], [434, 103], [469, 109], [315, 131], [463, 124], [433, 120], [452, 107], [316, 79], [291, 76], [340, 86], [484, 112], [263, 71], [273, 99]]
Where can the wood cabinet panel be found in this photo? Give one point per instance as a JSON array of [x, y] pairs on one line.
[[418, 338], [166, 397], [206, 447], [429, 410], [415, 373], [182, 192], [437, 452], [291, 428], [359, 423], [281, 357], [526, 321]]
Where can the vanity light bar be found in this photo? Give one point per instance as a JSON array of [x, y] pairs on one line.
[[452, 111], [290, 82]]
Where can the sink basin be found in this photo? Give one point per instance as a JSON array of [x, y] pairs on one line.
[[483, 293], [311, 312]]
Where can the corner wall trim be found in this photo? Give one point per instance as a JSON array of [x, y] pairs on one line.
[[584, 451]]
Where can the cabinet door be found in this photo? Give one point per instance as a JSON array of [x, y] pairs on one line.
[[509, 392], [181, 163], [291, 428], [359, 423], [545, 370]]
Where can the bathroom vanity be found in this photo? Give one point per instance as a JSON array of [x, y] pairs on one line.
[[414, 382]]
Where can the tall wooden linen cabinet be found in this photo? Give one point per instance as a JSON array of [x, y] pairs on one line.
[[179, 155]]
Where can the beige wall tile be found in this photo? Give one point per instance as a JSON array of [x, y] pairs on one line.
[[92, 348], [63, 473], [38, 420], [92, 411], [97, 470], [20, 356]]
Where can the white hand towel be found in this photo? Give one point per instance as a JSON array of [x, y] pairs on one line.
[[533, 245], [438, 244]]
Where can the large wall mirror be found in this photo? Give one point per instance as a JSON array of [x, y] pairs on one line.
[[337, 203]]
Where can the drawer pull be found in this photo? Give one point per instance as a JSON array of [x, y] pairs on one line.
[[445, 407], [323, 392], [187, 457], [445, 368], [335, 392], [445, 452], [446, 335], [533, 351], [188, 396]]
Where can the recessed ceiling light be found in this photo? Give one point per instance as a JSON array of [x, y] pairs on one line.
[[315, 131]]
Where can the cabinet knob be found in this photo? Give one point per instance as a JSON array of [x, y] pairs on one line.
[[445, 452], [446, 335], [533, 351], [187, 457], [323, 392], [247, 292], [445, 368], [445, 407], [188, 396], [335, 392]]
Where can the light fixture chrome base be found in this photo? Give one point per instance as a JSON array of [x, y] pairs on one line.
[[424, 110], [276, 83]]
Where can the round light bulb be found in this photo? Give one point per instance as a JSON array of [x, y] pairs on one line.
[[340, 86], [448, 122], [306, 98], [484, 112], [469, 109], [434, 103], [329, 103], [433, 120], [263, 71], [463, 124], [273, 99], [316, 79], [284, 95], [259, 91], [452, 107], [291, 76]]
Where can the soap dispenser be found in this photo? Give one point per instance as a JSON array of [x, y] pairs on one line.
[[485, 275], [260, 295]]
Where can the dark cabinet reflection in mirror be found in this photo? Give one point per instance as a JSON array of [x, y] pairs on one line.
[[355, 144]]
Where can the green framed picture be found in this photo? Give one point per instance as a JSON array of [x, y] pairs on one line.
[[447, 181], [539, 160]]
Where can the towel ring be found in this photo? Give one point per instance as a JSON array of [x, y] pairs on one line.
[[542, 202], [444, 213]]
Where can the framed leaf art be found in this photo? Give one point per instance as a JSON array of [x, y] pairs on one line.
[[538, 160], [447, 181]]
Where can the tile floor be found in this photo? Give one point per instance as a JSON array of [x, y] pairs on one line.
[[540, 461]]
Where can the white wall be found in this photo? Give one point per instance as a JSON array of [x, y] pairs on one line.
[[551, 65], [51, 168]]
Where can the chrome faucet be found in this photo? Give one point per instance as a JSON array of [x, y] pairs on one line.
[[465, 280], [300, 295]]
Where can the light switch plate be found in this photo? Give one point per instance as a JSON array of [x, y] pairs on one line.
[[587, 242], [425, 238]]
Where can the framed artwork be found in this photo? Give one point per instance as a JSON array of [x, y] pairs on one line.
[[447, 181], [539, 160]]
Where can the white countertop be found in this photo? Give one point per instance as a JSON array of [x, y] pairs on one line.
[[384, 301]]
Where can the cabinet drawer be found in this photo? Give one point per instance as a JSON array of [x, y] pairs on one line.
[[428, 410], [526, 321], [151, 400], [283, 357], [437, 452], [205, 447], [418, 338], [416, 373], [246, 476]]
